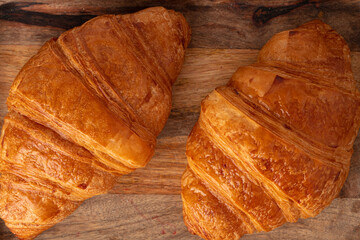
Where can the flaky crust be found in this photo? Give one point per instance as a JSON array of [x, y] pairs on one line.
[[86, 108], [274, 144]]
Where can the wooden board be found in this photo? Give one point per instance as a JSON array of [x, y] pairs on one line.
[[139, 217], [226, 34]]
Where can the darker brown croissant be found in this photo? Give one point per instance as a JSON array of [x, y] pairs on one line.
[[274, 144], [88, 106]]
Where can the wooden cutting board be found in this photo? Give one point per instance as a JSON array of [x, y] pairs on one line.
[[226, 34]]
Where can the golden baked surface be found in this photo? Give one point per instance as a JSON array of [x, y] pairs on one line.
[[88, 106], [274, 144]]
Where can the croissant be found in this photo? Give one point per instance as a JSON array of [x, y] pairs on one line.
[[274, 144], [86, 109]]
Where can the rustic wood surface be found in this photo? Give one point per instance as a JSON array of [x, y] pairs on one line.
[[226, 34]]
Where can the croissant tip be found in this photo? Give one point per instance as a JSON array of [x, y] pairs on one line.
[[316, 24], [182, 25], [23, 235], [316, 21]]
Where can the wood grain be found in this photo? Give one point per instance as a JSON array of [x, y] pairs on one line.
[[115, 217], [215, 24]]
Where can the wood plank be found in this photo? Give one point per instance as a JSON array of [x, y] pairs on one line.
[[160, 217], [203, 70], [215, 24]]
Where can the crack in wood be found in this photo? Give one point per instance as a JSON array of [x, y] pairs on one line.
[[263, 14], [13, 11]]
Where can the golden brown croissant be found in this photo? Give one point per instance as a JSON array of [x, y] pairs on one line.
[[274, 144], [88, 106]]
